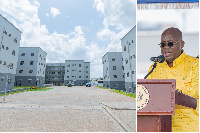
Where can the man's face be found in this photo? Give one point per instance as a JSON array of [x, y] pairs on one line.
[[171, 53]]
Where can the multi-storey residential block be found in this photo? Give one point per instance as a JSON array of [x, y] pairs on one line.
[[10, 38], [113, 76], [77, 72], [55, 73], [31, 67], [128, 43]]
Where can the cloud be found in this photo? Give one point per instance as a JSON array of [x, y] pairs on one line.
[[118, 14], [54, 12]]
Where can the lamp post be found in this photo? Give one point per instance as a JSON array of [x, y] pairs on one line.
[[11, 67]]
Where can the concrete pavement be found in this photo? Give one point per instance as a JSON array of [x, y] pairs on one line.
[[77, 109]]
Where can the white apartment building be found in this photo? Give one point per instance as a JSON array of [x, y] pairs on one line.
[[77, 72], [10, 38], [128, 43], [31, 67], [113, 76], [55, 73]]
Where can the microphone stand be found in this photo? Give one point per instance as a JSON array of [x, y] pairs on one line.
[[154, 66]]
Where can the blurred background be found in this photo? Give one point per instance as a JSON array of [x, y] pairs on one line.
[[151, 24]]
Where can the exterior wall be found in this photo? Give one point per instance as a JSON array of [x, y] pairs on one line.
[[128, 43], [10, 38], [75, 71], [31, 66], [55, 73], [112, 71]]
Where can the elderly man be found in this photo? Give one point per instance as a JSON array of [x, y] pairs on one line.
[[183, 68]]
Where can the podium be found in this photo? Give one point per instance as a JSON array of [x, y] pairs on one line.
[[156, 99]]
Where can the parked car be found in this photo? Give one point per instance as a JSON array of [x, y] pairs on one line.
[[69, 85], [88, 84]]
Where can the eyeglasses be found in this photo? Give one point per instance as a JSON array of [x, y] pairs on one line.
[[170, 44]]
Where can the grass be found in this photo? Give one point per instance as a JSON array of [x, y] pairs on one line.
[[120, 92], [21, 87], [102, 87]]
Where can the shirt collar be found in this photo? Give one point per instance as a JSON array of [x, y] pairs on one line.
[[178, 60]]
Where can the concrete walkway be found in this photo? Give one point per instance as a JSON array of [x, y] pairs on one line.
[[77, 109]]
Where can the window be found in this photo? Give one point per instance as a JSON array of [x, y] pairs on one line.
[[67, 70], [123, 76], [126, 60], [22, 62], [115, 85], [124, 48], [30, 80], [30, 71], [41, 63], [113, 59], [68, 65], [72, 64], [23, 54], [79, 70], [134, 56], [13, 52], [2, 46], [79, 76], [79, 65], [5, 32], [31, 63], [15, 40], [115, 76], [86, 71], [32, 54], [132, 41], [6, 48], [67, 76], [58, 72], [0, 61], [72, 76], [53, 72], [86, 76], [72, 70], [127, 74], [4, 63], [122, 67], [9, 35], [86, 66], [114, 67], [20, 71], [132, 72]]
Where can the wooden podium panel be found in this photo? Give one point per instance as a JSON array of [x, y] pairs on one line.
[[161, 96], [156, 114]]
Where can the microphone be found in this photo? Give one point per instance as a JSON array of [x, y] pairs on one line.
[[159, 59]]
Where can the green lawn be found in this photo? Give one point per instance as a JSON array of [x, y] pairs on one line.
[[21, 87], [121, 92]]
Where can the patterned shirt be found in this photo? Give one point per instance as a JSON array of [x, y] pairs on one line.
[[186, 72]]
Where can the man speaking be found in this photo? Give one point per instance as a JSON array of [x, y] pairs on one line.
[[183, 68]]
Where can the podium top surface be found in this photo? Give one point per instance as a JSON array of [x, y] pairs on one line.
[[156, 96]]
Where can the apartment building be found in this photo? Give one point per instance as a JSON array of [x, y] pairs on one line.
[[55, 73], [128, 43], [31, 67], [77, 72], [113, 76], [10, 38]]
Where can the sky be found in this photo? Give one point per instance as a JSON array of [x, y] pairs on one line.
[[72, 29]]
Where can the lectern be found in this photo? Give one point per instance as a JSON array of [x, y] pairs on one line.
[[156, 99]]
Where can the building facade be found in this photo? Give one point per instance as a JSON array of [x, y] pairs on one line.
[[128, 43], [31, 67], [55, 73], [10, 38], [113, 76], [77, 72]]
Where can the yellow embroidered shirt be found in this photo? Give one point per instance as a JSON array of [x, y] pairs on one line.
[[186, 72]]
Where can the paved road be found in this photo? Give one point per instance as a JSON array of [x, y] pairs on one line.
[[77, 109]]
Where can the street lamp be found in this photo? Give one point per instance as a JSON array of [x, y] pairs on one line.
[[11, 67]]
